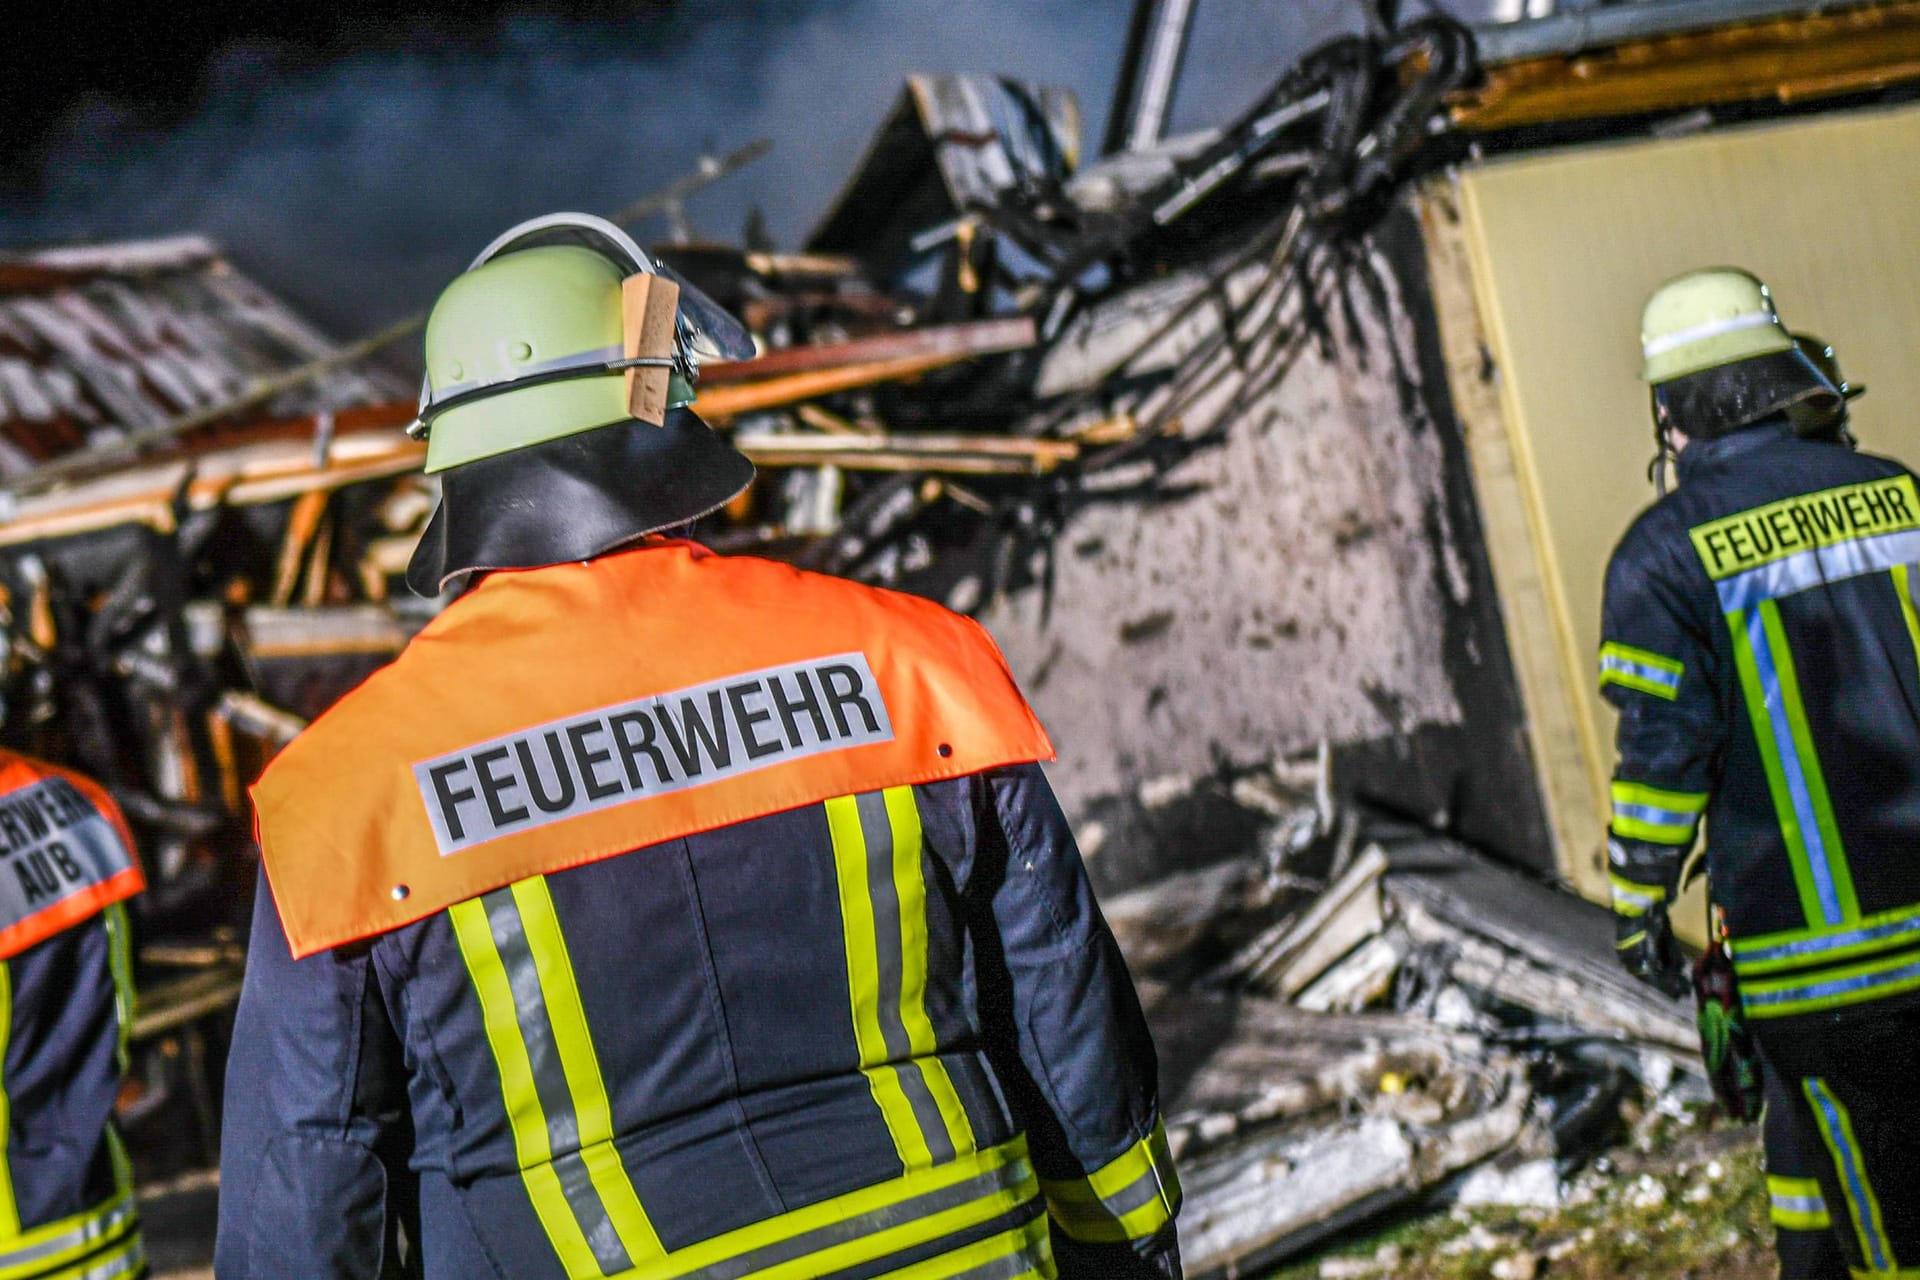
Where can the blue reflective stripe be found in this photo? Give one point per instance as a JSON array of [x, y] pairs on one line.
[[1817, 990], [1825, 942], [1791, 767], [1652, 675], [1657, 817], [1858, 1192], [1810, 568]]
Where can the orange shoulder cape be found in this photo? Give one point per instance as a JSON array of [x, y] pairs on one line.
[[553, 717]]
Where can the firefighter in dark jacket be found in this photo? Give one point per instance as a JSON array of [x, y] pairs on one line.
[[1762, 645], [66, 1008], [665, 914]]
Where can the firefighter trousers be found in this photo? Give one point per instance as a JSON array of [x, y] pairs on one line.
[[1803, 1235], [1850, 1081]]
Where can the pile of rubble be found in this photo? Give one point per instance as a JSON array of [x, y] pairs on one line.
[[1357, 1016]]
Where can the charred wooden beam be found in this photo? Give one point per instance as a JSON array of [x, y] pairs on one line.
[[947, 343], [963, 455]]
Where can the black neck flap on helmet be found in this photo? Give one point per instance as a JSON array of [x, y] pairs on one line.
[[579, 496]]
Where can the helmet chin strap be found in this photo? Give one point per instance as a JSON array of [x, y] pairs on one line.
[[1664, 456]]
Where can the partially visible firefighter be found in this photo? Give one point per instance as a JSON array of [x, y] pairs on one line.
[[66, 1009], [666, 914], [1761, 641]]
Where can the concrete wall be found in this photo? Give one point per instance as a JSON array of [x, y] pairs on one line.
[[1310, 569]]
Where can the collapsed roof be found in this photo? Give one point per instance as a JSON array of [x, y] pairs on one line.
[[104, 342]]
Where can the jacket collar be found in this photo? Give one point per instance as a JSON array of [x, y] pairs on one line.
[[1701, 454]]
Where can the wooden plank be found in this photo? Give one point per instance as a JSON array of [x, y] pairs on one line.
[[1289, 956], [725, 403], [169, 1005], [951, 342], [1514, 543], [973, 455], [260, 717]]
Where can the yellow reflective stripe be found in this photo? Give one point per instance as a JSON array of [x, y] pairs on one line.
[[910, 884], [581, 1064], [9, 1207], [1129, 1198], [1895, 1273], [1657, 798], [1029, 1239], [1800, 1219], [1658, 662], [120, 1262], [1633, 899], [1632, 940], [1640, 669], [120, 959], [475, 935], [1004, 1170], [47, 1249], [863, 981], [531, 1150], [122, 1166]]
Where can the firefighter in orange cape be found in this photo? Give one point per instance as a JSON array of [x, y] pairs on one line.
[[66, 1008], [660, 913]]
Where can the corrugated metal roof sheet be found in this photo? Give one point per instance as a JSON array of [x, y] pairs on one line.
[[96, 341]]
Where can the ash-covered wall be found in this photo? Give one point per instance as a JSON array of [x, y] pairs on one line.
[[1314, 570]]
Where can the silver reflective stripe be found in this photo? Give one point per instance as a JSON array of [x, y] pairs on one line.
[[111, 1221], [1627, 897], [1707, 329], [1816, 565], [1143, 1190], [884, 1218], [128, 1263], [1799, 1204], [1026, 1261], [885, 895], [550, 1083]]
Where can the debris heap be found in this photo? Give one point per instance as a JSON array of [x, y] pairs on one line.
[[1354, 1016]]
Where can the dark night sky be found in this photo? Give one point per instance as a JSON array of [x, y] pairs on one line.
[[354, 156]]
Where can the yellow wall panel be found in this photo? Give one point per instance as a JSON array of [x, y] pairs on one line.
[[1565, 247]]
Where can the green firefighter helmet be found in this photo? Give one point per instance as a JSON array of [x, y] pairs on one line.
[[500, 344], [527, 344], [1718, 357], [525, 407]]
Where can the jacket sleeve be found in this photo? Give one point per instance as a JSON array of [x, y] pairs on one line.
[[1659, 670], [1080, 1067], [315, 1116]]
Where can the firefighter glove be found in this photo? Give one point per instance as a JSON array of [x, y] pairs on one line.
[[1646, 947]]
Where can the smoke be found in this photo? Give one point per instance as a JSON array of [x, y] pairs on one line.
[[358, 187]]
